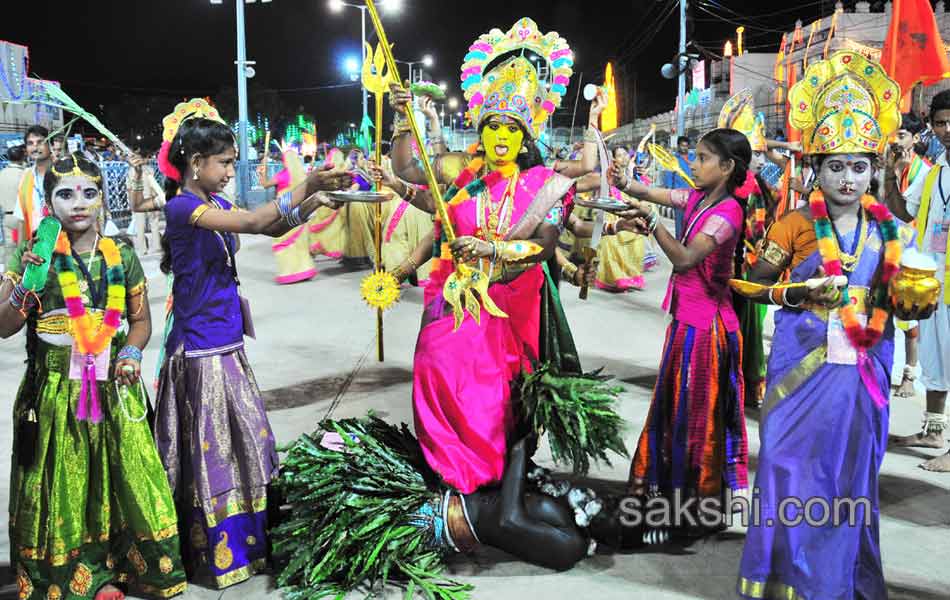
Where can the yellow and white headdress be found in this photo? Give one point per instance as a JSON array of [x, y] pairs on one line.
[[846, 104], [739, 113], [194, 108], [513, 88]]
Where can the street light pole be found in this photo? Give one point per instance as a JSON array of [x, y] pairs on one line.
[[243, 170], [681, 94], [363, 46]]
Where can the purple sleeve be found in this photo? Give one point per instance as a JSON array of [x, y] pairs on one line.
[[180, 210], [223, 202]]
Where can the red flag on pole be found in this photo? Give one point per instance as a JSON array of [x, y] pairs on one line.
[[913, 51]]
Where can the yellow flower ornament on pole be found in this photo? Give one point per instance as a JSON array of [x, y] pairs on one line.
[[460, 287], [381, 289]]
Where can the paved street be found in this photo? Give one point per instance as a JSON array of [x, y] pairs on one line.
[[315, 336]]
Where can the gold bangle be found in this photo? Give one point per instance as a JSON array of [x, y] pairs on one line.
[[569, 271], [412, 263]]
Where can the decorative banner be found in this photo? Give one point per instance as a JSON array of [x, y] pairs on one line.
[[699, 75]]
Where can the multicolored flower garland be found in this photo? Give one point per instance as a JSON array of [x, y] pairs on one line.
[[466, 186], [862, 338], [91, 341]]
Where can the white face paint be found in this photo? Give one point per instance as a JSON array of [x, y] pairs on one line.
[[844, 178], [76, 202], [758, 162]]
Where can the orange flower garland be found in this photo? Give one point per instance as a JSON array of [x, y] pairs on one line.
[[862, 338], [91, 340]]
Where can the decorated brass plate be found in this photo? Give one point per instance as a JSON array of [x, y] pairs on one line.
[[371, 197], [608, 204]]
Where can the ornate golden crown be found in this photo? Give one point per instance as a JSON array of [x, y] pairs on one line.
[[513, 88], [739, 113], [846, 104]]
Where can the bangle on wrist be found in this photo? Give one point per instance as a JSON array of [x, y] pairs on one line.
[[653, 222], [569, 271], [130, 353]]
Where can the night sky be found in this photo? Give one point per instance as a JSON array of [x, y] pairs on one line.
[[102, 50]]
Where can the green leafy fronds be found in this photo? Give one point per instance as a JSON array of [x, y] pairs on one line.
[[348, 527], [577, 413]]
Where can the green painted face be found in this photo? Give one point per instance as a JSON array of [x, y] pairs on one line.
[[502, 139]]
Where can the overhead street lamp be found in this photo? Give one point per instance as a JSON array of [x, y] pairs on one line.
[[337, 6], [244, 72], [426, 61]]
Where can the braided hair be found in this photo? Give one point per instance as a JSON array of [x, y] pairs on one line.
[[729, 144]]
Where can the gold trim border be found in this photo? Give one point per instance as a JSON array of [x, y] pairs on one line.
[[794, 379], [768, 590]]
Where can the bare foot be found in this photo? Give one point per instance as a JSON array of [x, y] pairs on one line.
[[919, 440], [109, 592], [906, 389], [941, 464]]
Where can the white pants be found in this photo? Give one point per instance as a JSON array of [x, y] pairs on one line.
[[934, 350], [147, 242]]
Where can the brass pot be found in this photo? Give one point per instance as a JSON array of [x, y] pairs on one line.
[[914, 293]]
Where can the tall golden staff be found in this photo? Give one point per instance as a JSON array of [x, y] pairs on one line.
[[376, 80], [460, 287]]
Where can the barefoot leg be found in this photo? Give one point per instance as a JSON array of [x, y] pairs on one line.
[[906, 388], [941, 464], [934, 423]]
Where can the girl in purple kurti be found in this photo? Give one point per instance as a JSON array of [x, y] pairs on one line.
[[694, 441], [211, 425]]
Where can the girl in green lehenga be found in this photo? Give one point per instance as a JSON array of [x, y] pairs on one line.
[[90, 507]]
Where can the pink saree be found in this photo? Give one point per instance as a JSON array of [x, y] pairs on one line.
[[461, 394]]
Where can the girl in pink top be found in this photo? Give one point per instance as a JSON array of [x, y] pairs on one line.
[[694, 441]]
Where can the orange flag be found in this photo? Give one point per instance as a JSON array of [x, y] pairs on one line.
[[913, 51]]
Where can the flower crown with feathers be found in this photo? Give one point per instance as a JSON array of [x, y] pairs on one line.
[[513, 88]]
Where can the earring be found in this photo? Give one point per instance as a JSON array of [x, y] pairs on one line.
[[195, 175], [480, 147], [524, 149]]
